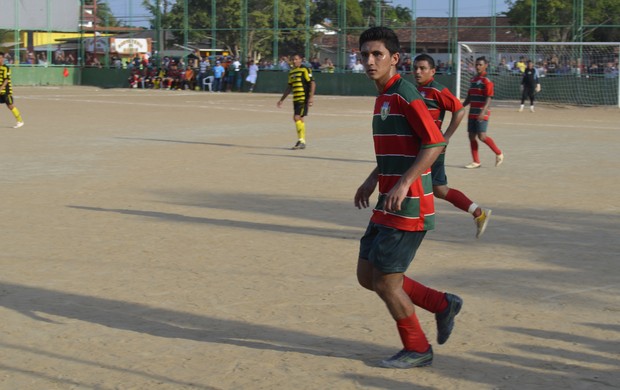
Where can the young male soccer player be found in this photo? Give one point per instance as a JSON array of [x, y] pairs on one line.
[[529, 85], [479, 96], [407, 141], [6, 91], [439, 99], [301, 83]]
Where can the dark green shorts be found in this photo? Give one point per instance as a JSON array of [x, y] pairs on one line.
[[438, 171], [475, 126], [389, 250]]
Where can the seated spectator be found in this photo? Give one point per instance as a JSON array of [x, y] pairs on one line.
[[315, 64], [328, 66], [189, 79]]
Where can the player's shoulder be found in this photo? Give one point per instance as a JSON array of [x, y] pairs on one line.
[[406, 90]]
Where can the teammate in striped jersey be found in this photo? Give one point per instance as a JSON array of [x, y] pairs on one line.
[[479, 96], [6, 92], [407, 142], [439, 99], [301, 83]]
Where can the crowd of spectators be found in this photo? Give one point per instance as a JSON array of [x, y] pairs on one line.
[[551, 66]]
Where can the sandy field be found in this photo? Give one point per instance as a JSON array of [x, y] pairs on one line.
[[172, 240]]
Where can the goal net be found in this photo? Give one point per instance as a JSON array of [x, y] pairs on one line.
[[569, 73]]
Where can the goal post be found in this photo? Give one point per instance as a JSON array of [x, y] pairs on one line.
[[570, 73]]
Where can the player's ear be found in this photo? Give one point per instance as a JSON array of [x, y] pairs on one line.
[[395, 58]]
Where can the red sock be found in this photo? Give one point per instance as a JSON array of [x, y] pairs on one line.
[[424, 297], [458, 199], [474, 150], [489, 141], [411, 334]]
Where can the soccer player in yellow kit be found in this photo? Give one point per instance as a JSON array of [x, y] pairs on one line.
[[6, 92], [301, 83]]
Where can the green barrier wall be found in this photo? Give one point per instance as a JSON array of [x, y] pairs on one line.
[[35, 75], [558, 89]]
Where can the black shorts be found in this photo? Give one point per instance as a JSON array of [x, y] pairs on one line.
[[388, 249], [301, 108], [6, 98]]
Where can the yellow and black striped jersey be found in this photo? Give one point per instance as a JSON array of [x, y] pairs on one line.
[[5, 74], [299, 79]]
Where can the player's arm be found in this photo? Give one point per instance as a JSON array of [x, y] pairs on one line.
[[284, 95], [425, 158], [455, 121], [362, 196], [311, 95], [448, 102], [433, 142], [485, 108]]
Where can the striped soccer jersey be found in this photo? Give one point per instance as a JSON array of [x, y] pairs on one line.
[[439, 99], [5, 74], [479, 89], [299, 79], [401, 127]]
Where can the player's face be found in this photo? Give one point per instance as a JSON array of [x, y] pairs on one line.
[[378, 63], [481, 66], [296, 61], [423, 72]]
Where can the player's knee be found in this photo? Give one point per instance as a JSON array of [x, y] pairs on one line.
[[440, 192]]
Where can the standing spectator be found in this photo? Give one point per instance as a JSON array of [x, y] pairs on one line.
[[237, 80], [6, 92], [218, 74], [252, 75], [530, 85], [301, 83], [479, 96], [202, 71], [352, 59], [59, 56], [439, 99], [407, 141]]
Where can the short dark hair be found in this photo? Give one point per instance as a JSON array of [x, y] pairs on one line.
[[427, 58], [383, 34], [483, 59], [1, 54]]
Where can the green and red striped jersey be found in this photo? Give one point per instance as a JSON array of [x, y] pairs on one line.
[[439, 99], [480, 88], [401, 127]]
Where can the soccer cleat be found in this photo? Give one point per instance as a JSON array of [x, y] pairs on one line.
[[521, 108], [499, 159], [409, 359], [18, 125], [472, 165], [482, 221], [445, 319], [532, 108], [299, 145]]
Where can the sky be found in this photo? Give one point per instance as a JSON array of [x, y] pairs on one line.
[[438, 8]]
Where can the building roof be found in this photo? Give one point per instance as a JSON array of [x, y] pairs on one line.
[[435, 31]]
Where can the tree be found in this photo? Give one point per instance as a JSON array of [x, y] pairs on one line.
[[228, 23], [558, 23], [105, 17]]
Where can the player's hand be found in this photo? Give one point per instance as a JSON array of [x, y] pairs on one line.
[[537, 88], [481, 117], [311, 101], [279, 104], [362, 196], [394, 199]]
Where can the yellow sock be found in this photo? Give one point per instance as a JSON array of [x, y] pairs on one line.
[[301, 130], [16, 114]]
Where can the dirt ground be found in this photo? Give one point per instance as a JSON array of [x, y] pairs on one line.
[[172, 240]]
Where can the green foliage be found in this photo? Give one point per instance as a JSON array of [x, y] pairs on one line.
[[556, 20]]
